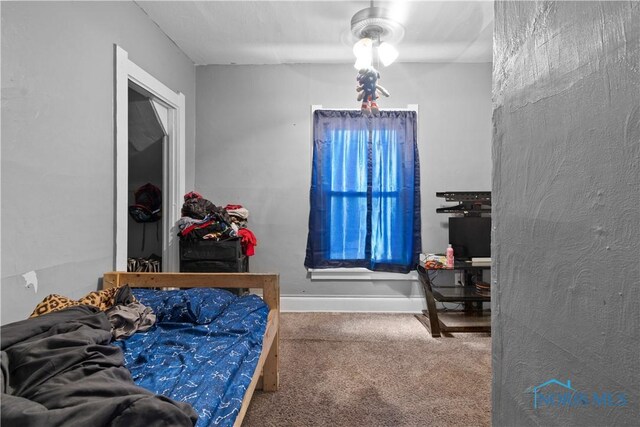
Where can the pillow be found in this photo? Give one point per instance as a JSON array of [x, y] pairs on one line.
[[195, 305], [104, 300]]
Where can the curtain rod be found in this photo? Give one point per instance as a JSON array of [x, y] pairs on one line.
[[410, 107]]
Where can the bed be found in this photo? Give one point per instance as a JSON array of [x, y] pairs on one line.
[[62, 367], [265, 375]]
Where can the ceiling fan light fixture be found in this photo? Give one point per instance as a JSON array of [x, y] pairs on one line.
[[387, 53], [372, 25], [363, 47], [363, 50]]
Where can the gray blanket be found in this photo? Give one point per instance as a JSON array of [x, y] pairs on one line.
[[59, 369]]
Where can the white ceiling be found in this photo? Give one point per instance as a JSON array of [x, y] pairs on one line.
[[281, 32]]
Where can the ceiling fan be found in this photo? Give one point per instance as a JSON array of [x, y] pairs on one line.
[[375, 27]]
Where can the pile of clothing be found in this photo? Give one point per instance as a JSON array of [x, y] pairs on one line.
[[202, 220]]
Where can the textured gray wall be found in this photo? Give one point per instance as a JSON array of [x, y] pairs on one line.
[[58, 139], [566, 209], [253, 147]]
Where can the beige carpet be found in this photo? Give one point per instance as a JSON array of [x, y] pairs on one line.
[[352, 369]]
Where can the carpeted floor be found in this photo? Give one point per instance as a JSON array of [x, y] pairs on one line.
[[360, 369]]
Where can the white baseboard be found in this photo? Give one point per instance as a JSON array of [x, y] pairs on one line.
[[353, 304]]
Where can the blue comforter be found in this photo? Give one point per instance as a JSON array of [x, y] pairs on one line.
[[203, 349]]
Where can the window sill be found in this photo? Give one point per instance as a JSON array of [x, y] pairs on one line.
[[359, 274]]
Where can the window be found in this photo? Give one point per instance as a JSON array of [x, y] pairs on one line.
[[365, 191]]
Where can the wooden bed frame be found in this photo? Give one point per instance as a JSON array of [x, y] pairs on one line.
[[266, 375]]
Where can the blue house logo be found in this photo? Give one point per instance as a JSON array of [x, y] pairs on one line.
[[557, 394], [546, 399]]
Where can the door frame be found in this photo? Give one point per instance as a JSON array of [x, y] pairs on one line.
[[128, 74]]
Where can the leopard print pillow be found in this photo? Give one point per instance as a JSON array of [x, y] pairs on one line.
[[51, 303], [104, 300]]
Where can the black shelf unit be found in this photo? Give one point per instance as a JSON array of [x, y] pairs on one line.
[[469, 234], [470, 203], [472, 318]]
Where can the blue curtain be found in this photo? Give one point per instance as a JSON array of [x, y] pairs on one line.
[[365, 191]]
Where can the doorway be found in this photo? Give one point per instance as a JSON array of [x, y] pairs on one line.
[[147, 136], [169, 108]]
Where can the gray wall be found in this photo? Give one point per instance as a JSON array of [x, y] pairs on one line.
[[253, 147], [566, 208], [58, 139]]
